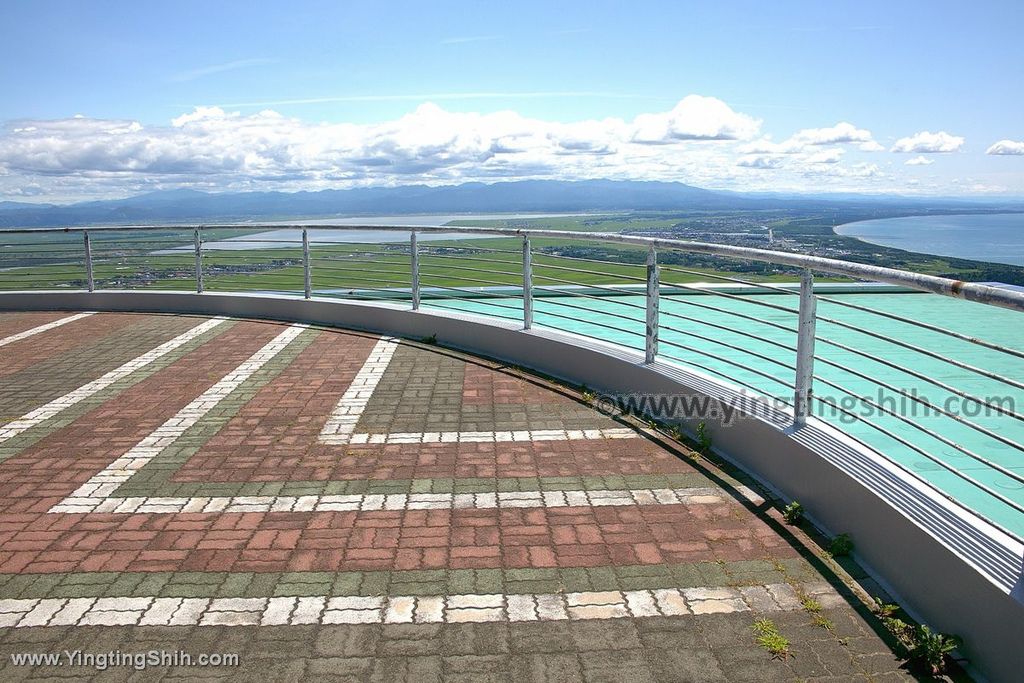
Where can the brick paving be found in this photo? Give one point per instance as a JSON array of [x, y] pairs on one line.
[[115, 339], [16, 323], [204, 502], [45, 327]]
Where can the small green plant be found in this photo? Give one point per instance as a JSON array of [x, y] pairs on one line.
[[703, 439], [901, 631], [588, 395], [932, 647], [810, 604], [840, 546], [813, 607], [432, 339], [885, 609], [821, 621], [769, 638], [793, 513]]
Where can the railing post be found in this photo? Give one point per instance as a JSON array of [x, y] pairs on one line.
[[527, 285], [805, 350], [88, 262], [414, 255], [306, 274], [652, 306], [199, 260]]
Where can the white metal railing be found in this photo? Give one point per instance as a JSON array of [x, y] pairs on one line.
[[743, 339]]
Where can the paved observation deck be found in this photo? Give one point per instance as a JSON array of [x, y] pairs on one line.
[[329, 503]]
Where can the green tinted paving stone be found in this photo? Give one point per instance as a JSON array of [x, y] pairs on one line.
[[124, 584], [693, 575], [262, 585], [307, 577], [420, 486], [90, 578], [754, 571], [421, 391], [44, 584], [152, 584], [234, 585], [488, 581], [374, 583], [643, 570], [154, 480], [80, 590], [419, 588], [188, 590], [603, 578], [531, 574], [347, 583], [575, 580], [798, 569], [303, 589], [197, 577], [561, 483], [554, 586]]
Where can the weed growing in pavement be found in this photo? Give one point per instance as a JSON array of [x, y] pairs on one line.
[[840, 546], [770, 639], [793, 513], [932, 648], [703, 439]]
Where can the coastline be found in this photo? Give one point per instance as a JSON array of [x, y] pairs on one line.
[[948, 235]]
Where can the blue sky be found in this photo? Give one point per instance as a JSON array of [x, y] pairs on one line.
[[307, 95]]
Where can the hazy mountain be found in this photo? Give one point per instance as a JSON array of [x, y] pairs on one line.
[[16, 206], [529, 195]]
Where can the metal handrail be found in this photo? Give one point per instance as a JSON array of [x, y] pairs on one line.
[[409, 259], [971, 291]]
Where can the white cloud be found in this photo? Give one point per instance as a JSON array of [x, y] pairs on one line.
[[701, 141], [862, 171], [929, 143], [825, 156], [766, 146], [918, 161], [694, 118], [841, 133], [759, 161], [805, 141], [1006, 147], [431, 143]]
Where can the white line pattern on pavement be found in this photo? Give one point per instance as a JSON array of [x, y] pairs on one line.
[[92, 493], [342, 422], [56, 406], [43, 328], [97, 490], [341, 425], [494, 437], [408, 609]]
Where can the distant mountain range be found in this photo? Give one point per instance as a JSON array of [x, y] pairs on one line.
[[179, 206]]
